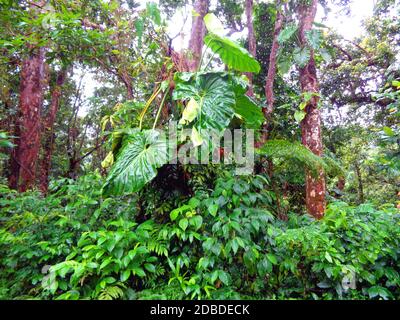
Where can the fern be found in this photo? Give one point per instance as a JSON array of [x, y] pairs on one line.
[[157, 247], [293, 151], [333, 167], [112, 292]]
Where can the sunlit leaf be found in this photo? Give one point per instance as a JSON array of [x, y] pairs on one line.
[[213, 24], [190, 112], [299, 115], [232, 54]]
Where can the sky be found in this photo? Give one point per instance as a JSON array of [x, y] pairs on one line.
[[349, 26]]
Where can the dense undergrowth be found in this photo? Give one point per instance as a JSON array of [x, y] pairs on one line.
[[224, 242]]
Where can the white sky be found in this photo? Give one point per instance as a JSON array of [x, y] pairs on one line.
[[347, 26]]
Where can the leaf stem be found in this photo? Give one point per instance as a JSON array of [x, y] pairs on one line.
[[209, 61], [148, 103], [159, 109], [202, 55]]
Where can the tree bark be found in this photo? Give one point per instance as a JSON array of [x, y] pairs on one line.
[[29, 125], [269, 83], [197, 34], [13, 164], [360, 189], [252, 41], [10, 123], [48, 132], [311, 124], [127, 80], [341, 183]]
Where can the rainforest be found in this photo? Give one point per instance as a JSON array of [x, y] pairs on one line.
[[200, 150]]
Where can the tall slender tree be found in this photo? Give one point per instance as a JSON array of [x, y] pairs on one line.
[[311, 124], [251, 40], [269, 83], [48, 130], [197, 33], [29, 125], [33, 81]]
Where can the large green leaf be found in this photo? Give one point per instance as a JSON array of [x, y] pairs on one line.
[[232, 54], [287, 33], [213, 24], [249, 112], [246, 108], [284, 64], [314, 38], [136, 163], [302, 56], [214, 96]]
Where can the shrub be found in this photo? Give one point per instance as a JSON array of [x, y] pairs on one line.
[[221, 243]]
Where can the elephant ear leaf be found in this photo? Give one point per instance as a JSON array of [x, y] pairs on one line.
[[213, 24], [214, 100], [247, 110], [232, 54], [137, 161], [287, 33], [302, 56]]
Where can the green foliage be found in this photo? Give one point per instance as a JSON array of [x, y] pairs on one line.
[[233, 55], [137, 161], [287, 33], [214, 96], [358, 245], [213, 99], [5, 140], [5, 143], [37, 231], [248, 110], [154, 230], [105, 261], [314, 38], [222, 243], [302, 56], [292, 151]]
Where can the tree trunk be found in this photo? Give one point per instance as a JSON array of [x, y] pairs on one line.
[[48, 132], [11, 125], [311, 124], [13, 164], [31, 99], [269, 84], [197, 34], [73, 168], [252, 41], [127, 80], [341, 183], [360, 189]]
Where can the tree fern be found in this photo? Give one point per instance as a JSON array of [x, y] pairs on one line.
[[292, 151], [112, 292], [296, 152], [333, 167]]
